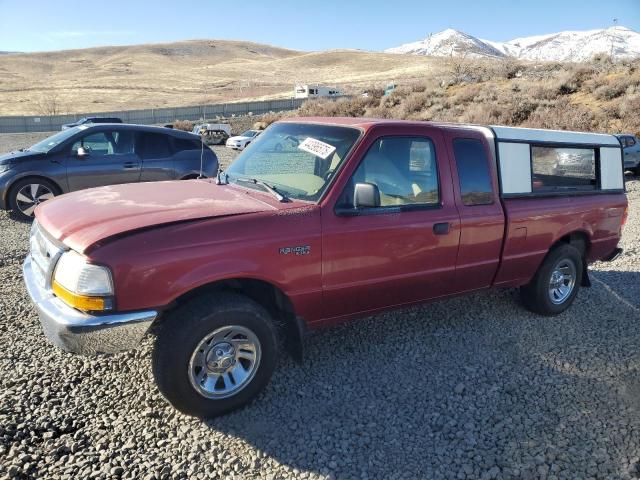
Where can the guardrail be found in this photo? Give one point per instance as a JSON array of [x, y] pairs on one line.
[[19, 124]]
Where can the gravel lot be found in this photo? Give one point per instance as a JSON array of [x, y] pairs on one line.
[[474, 387]]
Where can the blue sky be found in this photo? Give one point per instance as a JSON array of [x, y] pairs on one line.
[[37, 25]]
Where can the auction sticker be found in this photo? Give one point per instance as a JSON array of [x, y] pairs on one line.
[[316, 147]]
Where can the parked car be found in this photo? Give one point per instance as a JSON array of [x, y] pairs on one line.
[[240, 142], [95, 155], [360, 216], [631, 152], [91, 120], [213, 133]]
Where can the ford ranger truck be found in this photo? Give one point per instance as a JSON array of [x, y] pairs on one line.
[[349, 218]]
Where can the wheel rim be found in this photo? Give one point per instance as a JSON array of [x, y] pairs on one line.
[[224, 361], [562, 281], [30, 196]]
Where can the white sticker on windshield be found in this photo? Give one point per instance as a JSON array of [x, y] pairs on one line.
[[316, 147]]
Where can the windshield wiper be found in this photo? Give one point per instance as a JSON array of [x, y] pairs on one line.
[[273, 190]]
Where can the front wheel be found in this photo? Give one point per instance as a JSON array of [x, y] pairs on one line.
[[28, 193], [214, 354], [556, 283]]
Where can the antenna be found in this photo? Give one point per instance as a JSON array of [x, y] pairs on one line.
[[613, 37], [201, 155]]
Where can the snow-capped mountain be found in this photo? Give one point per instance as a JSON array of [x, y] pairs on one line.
[[449, 42], [574, 46]]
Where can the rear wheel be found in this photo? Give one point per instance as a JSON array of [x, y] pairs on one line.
[[556, 283], [28, 193], [214, 354]]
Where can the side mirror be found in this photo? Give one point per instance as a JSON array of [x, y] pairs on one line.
[[366, 195], [82, 153]]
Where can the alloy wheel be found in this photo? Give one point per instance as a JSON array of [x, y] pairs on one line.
[[30, 196], [224, 362]]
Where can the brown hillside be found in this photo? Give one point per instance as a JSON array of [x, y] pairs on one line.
[[182, 73]]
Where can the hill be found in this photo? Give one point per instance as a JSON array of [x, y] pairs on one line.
[[599, 96], [567, 46], [183, 73]]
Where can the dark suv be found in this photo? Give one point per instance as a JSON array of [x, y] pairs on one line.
[[87, 120], [96, 155]]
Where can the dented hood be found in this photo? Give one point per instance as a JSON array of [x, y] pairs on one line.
[[82, 218]]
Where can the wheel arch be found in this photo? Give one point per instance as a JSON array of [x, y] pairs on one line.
[[581, 240], [11, 186], [292, 327]]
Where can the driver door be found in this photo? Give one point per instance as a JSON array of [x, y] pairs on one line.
[[110, 159]]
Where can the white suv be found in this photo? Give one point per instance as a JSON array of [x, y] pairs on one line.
[[240, 142]]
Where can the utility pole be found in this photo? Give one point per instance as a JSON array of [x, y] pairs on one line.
[[615, 24]]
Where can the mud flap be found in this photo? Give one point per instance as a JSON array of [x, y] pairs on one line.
[[586, 281], [294, 342]]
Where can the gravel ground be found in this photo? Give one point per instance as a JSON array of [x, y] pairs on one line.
[[474, 387]]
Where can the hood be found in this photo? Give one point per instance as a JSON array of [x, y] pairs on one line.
[[80, 219], [17, 156]]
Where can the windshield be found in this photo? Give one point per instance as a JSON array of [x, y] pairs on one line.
[[249, 133], [48, 143], [298, 159]]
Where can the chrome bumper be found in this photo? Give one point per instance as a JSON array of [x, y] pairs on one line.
[[78, 332]]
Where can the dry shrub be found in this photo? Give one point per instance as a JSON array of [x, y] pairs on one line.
[[353, 107], [617, 87], [185, 125], [266, 120], [563, 116], [415, 102]]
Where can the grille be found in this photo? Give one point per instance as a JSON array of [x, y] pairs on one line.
[[44, 253]]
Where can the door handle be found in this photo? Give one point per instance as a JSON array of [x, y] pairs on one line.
[[131, 165], [441, 228]]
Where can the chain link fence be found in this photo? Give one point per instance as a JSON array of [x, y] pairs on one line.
[[19, 124]]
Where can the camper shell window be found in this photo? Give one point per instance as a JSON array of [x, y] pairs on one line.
[[563, 168]]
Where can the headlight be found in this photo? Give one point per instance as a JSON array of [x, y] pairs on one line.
[[82, 285]]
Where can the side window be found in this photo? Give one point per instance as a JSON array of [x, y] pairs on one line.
[[96, 144], [630, 142], [559, 168], [181, 144], [123, 141], [106, 143], [404, 170], [153, 145], [473, 172]]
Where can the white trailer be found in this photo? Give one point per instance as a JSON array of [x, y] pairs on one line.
[[315, 91]]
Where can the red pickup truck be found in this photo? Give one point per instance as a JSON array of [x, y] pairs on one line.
[[319, 221]]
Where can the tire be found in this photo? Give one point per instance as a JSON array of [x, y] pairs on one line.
[[636, 171], [539, 296], [201, 391], [25, 195]]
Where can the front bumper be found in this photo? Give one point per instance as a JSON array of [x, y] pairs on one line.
[[78, 332]]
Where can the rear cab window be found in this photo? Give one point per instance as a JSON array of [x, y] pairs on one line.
[[474, 177]]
